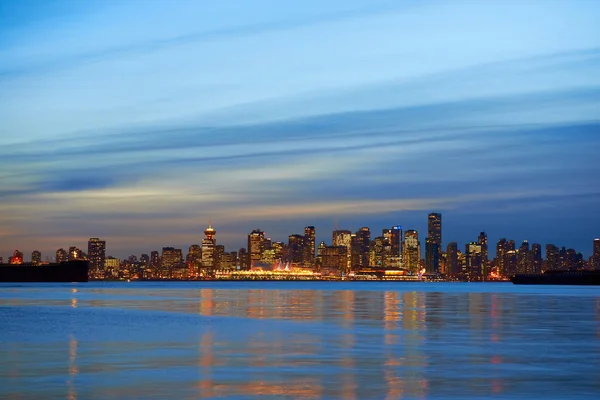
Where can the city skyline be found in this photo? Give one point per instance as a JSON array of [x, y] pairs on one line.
[[206, 244], [139, 122]]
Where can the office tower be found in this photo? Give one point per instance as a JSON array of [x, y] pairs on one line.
[[36, 257], [155, 262], [377, 252], [333, 260], [523, 258], [569, 258], [256, 240], [596, 254], [500, 261], [433, 242], [295, 248], [452, 265], [219, 254], [278, 250], [243, 258], [510, 258], [194, 255], [432, 254], [485, 262], [171, 259], [343, 238], [394, 236], [535, 259], [309, 246], [363, 241], [552, 258], [96, 253], [320, 252], [412, 251], [474, 261]]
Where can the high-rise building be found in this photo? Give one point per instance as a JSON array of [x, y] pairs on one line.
[[278, 249], [474, 261], [485, 262], [320, 252], [434, 242], [171, 259], [295, 248], [309, 246], [243, 258], [194, 256], [333, 260], [596, 254], [343, 238], [96, 253], [36, 257], [552, 258], [500, 260], [361, 250], [510, 262], [208, 248], [219, 255], [432, 256], [412, 251], [523, 265], [155, 263], [452, 264], [535, 259], [395, 240], [377, 256], [256, 240]]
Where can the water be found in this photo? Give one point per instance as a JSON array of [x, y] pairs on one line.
[[189, 340]]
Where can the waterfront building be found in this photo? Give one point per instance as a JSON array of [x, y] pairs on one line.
[[17, 258], [36, 257], [535, 259], [596, 254], [334, 260], [433, 242], [171, 259], [96, 253], [342, 237], [61, 255], [452, 262], [412, 251], [523, 264], [485, 262], [208, 248], [500, 260], [256, 240], [474, 261], [295, 248], [309, 246]]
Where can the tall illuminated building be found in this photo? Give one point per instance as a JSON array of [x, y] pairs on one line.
[[194, 256], [61, 255], [96, 253], [243, 258], [501, 249], [535, 259], [452, 264], [394, 238], [474, 261], [433, 242], [295, 248], [342, 237], [596, 254], [309, 246], [256, 240], [412, 251], [510, 258], [17, 258], [36, 257], [483, 242], [219, 256], [360, 245], [523, 264], [208, 247], [171, 259]]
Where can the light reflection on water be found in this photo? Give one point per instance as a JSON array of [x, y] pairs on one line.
[[302, 341]]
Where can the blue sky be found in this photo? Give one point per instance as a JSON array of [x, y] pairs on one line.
[[140, 121]]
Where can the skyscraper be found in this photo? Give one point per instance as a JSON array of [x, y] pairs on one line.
[[433, 242], [552, 258], [474, 261], [483, 242], [452, 265], [535, 258], [36, 257], [309, 246], [295, 248], [208, 247], [256, 240], [363, 239], [61, 255], [343, 238], [596, 254], [395, 235], [523, 258], [171, 259], [501, 249], [412, 251], [96, 253]]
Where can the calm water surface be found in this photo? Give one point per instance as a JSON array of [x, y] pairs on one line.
[[366, 340]]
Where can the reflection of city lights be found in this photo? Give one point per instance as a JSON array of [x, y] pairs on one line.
[[74, 303]]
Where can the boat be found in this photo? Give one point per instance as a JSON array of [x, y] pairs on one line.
[[70, 271], [559, 277]]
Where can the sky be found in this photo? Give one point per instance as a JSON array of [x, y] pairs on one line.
[[140, 121]]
